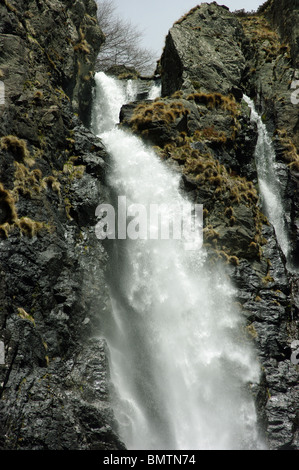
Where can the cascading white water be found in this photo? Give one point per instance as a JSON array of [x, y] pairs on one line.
[[155, 91], [180, 361], [268, 181]]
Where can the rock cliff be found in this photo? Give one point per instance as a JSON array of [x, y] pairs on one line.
[[55, 379], [55, 389]]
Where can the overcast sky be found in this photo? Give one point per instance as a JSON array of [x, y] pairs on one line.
[[156, 17]]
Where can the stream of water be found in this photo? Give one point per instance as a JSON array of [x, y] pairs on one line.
[[268, 180], [181, 363]]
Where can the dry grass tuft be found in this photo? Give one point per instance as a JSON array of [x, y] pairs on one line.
[[157, 111], [16, 146]]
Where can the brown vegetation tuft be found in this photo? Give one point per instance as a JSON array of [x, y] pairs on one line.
[[16, 146], [216, 100], [158, 110]]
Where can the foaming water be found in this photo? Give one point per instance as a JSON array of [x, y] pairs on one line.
[[181, 362], [269, 185]]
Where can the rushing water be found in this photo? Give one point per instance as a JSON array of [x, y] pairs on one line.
[[268, 181], [181, 364]]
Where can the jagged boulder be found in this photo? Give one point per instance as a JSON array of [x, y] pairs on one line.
[[203, 52]]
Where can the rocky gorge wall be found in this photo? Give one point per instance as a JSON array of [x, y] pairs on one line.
[[55, 390], [54, 385]]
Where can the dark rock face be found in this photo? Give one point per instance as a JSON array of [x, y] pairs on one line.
[[203, 48], [55, 386], [270, 79], [287, 23], [211, 57]]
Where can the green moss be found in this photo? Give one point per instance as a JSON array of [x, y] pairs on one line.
[[196, 84], [252, 331], [263, 37], [290, 153], [30, 227], [25, 316], [52, 183], [4, 230], [38, 96], [26, 225], [27, 183], [73, 171], [10, 7], [177, 94], [82, 45], [229, 212], [68, 207], [209, 234], [61, 94], [234, 260], [268, 278], [51, 62]]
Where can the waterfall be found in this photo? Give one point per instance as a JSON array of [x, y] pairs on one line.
[[155, 91], [181, 364], [268, 181]]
